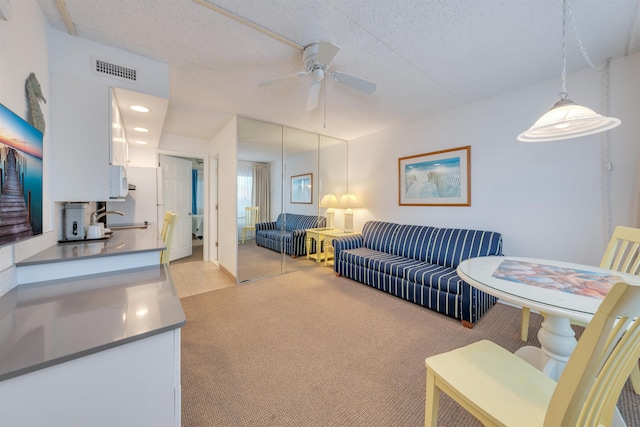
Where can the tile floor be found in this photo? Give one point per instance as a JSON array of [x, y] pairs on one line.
[[192, 276]]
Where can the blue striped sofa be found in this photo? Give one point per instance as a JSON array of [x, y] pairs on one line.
[[418, 263], [288, 231]]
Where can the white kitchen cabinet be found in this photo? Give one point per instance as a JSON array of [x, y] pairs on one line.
[[119, 152], [135, 384], [80, 139]]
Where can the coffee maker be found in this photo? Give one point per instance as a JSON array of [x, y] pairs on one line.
[[74, 221]]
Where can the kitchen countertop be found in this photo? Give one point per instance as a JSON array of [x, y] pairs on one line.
[[121, 242], [47, 323]]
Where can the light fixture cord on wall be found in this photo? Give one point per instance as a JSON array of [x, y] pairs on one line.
[[608, 167]]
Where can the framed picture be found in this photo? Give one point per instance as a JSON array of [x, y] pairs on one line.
[[441, 178], [21, 159], [302, 188]]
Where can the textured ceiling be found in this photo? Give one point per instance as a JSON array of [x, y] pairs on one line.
[[425, 56]]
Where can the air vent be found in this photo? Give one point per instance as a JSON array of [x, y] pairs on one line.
[[103, 68]]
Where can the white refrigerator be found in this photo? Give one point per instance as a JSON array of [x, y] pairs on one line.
[[144, 203]]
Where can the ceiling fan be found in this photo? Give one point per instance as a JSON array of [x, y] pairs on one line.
[[317, 59]]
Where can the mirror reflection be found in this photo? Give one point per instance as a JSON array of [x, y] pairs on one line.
[[283, 175]]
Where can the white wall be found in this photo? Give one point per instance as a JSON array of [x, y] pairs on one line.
[[142, 156], [223, 148], [299, 165], [17, 60], [72, 56], [183, 144], [546, 199]]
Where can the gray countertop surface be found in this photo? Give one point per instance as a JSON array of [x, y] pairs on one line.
[[121, 242], [47, 323]]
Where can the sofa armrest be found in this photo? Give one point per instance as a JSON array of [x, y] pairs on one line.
[[266, 226], [348, 242], [298, 232]]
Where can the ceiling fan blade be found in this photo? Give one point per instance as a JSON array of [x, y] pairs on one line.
[[354, 82], [326, 52], [285, 77], [314, 95]]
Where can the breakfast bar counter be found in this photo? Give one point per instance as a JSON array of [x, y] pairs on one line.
[[91, 336], [121, 242], [52, 322], [124, 249]]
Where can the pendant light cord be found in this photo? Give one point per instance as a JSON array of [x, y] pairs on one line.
[[565, 8], [581, 47]]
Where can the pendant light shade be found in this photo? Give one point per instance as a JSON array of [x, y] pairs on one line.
[[567, 120]]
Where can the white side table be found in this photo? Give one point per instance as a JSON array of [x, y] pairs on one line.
[[327, 243], [316, 234]]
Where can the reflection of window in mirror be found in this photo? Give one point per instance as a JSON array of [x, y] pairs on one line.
[[284, 152], [259, 188]]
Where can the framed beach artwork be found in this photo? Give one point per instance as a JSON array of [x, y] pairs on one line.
[[20, 178], [302, 188], [440, 178]]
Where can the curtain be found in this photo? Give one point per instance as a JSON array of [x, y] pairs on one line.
[[261, 191], [197, 195], [244, 186], [194, 191]]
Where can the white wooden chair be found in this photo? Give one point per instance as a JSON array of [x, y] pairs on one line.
[[250, 219], [500, 389], [622, 254], [167, 235]]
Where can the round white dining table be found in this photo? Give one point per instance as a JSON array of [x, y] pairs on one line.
[[562, 291]]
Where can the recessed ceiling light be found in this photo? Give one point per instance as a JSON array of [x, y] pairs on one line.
[[141, 129], [140, 108], [141, 142]]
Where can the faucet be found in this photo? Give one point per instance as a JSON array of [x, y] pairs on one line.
[[95, 216]]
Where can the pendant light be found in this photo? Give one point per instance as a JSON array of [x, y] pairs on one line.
[[566, 119]]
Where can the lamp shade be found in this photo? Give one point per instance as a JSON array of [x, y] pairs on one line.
[[348, 201], [329, 201], [567, 120]]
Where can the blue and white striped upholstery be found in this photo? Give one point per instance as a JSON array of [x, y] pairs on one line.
[[412, 241], [287, 233], [450, 246], [418, 263], [379, 235]]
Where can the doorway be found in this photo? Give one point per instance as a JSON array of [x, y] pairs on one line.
[[186, 192]]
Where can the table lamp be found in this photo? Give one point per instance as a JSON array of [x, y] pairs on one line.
[[347, 202], [329, 201]]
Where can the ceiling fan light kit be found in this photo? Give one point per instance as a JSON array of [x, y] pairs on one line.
[[566, 119], [317, 58]]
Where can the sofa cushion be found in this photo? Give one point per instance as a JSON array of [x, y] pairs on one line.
[[276, 234], [379, 261], [435, 276], [412, 241], [450, 246], [378, 235]]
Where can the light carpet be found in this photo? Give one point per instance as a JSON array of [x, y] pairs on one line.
[[311, 349]]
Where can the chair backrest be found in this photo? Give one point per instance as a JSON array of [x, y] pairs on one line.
[[623, 250], [167, 235], [589, 386], [251, 216]]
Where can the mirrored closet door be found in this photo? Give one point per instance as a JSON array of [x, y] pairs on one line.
[[281, 171]]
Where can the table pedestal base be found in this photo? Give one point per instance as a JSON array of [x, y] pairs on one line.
[[557, 340]]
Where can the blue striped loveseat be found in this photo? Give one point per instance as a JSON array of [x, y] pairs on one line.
[[418, 263], [288, 231]]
